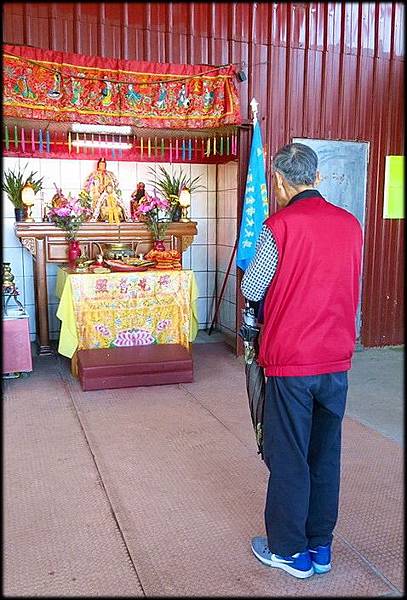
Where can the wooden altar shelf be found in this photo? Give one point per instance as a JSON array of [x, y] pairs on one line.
[[46, 243]]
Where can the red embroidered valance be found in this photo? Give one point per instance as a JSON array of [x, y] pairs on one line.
[[64, 87]]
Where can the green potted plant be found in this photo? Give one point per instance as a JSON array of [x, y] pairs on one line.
[[13, 182], [171, 185]]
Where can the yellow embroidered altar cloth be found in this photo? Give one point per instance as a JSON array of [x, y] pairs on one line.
[[125, 309]]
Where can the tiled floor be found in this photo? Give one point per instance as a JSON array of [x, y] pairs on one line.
[[157, 491]]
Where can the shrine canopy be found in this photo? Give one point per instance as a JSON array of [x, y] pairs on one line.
[[72, 88]]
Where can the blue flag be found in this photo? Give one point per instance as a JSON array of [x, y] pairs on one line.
[[255, 204]]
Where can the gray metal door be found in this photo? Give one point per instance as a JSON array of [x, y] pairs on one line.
[[343, 170]]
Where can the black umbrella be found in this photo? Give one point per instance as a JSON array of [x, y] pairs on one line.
[[255, 380]]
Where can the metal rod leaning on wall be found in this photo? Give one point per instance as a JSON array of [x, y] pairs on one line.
[[217, 306]]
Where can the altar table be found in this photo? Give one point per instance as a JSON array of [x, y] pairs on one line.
[[125, 309]]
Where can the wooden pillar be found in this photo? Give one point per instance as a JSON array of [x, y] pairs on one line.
[[41, 299]]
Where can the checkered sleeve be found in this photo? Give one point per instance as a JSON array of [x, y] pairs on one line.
[[262, 268]]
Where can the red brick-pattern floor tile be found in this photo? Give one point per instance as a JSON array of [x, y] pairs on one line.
[[186, 486]]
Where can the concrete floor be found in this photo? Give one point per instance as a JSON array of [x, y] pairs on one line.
[[376, 390], [157, 491]]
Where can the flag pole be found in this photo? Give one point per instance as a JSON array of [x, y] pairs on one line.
[[215, 314], [254, 106]]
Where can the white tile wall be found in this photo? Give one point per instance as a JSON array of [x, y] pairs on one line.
[[212, 205], [202, 310], [199, 205], [29, 294], [226, 235], [202, 282], [211, 231], [202, 236], [212, 257], [186, 258], [211, 283], [15, 257], [230, 288], [226, 231], [227, 315], [199, 257], [211, 178], [223, 257], [221, 179]]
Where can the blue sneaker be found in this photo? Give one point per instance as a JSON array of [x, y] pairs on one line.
[[321, 558], [298, 564]]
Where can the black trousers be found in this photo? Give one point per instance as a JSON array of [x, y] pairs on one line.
[[302, 446]]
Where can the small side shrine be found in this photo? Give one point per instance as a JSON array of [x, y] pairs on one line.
[[76, 107]]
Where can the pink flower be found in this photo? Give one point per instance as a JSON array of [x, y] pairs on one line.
[[101, 285], [145, 208], [164, 280], [102, 329], [64, 211], [142, 284], [134, 337], [162, 204], [163, 324]]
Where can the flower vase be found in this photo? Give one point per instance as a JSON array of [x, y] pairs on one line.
[[176, 213], [74, 252], [19, 214], [159, 245]]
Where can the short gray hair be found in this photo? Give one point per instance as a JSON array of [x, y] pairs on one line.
[[298, 163]]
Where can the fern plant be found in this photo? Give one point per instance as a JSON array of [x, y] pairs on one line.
[[171, 185], [14, 182]]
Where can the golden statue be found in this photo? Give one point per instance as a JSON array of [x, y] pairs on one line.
[[105, 195]]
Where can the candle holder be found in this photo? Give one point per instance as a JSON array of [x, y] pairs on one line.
[[184, 201], [28, 199]]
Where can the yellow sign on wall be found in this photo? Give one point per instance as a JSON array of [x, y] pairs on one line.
[[393, 207]]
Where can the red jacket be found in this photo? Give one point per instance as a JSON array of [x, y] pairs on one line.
[[310, 306]]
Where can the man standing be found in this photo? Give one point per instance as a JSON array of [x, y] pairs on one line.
[[306, 271]]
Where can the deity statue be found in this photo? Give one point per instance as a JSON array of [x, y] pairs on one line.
[[109, 208], [136, 198], [105, 195], [58, 199]]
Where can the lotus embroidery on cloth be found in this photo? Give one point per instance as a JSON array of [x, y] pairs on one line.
[[134, 337]]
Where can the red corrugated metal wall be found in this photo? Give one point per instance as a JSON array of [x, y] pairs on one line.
[[320, 70]]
